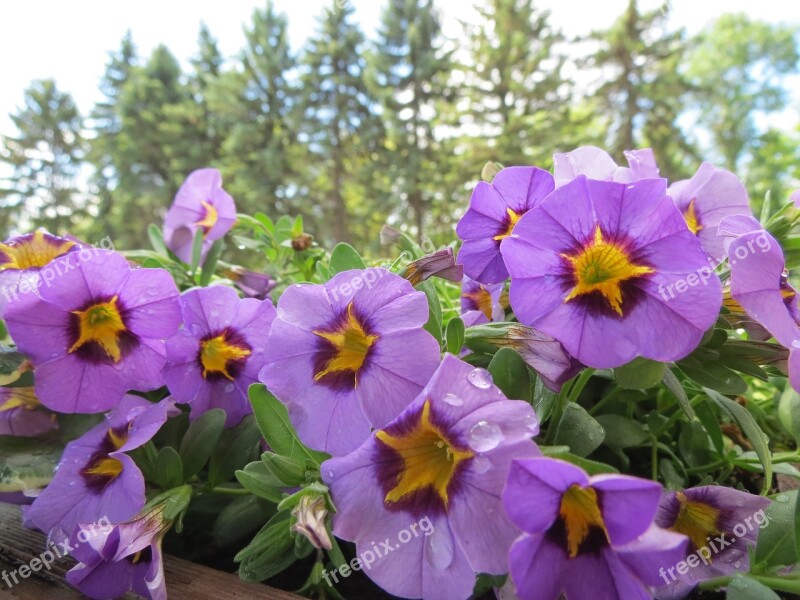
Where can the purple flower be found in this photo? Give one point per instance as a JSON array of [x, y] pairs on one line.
[[440, 465], [481, 303], [494, 210], [217, 355], [441, 263], [23, 257], [200, 205], [759, 284], [96, 332], [22, 415], [95, 477], [251, 284], [611, 271], [598, 164], [349, 355], [704, 200], [720, 523], [122, 558], [585, 537]]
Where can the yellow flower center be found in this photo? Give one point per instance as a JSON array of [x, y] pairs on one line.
[[217, 354], [33, 251], [580, 513], [102, 468], [20, 398], [512, 220], [690, 215], [696, 520], [602, 267], [102, 324], [483, 301], [209, 217], [429, 459], [351, 345]]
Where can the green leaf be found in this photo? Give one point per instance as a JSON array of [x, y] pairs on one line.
[[710, 422], [747, 422], [713, 376], [297, 226], [640, 374], [455, 335], [200, 441], [197, 250], [287, 470], [592, 467], [237, 447], [238, 521], [258, 479], [778, 542], [344, 258], [789, 412], [511, 374], [622, 432], [169, 469], [434, 324], [210, 263], [579, 430], [273, 421], [27, 463], [743, 587], [157, 239], [676, 389], [270, 552]]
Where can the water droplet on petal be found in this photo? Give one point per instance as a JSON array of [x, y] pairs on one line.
[[737, 564], [796, 344], [329, 473], [229, 387], [453, 400], [439, 548], [480, 378], [531, 423], [485, 436], [481, 464]]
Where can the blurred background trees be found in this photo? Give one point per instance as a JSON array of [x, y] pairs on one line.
[[353, 133]]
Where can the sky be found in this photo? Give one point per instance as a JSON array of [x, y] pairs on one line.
[[70, 41]]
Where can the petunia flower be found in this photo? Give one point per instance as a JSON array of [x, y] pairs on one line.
[[217, 355], [494, 210], [704, 200], [585, 537], [200, 205], [22, 415], [349, 355], [611, 271], [124, 557], [595, 163], [759, 284], [438, 469], [720, 523], [480, 303], [96, 332], [441, 263], [21, 260], [251, 284], [96, 478]]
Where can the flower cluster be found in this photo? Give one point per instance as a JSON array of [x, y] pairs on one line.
[[459, 395]]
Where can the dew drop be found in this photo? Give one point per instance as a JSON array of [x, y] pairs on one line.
[[329, 474], [453, 400], [229, 387], [484, 436], [737, 564], [796, 344], [782, 498], [531, 423], [481, 464], [480, 378], [439, 548]]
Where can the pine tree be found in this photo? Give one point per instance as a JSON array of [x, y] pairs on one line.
[[253, 105], [644, 94], [408, 72], [46, 157], [338, 126], [517, 98]]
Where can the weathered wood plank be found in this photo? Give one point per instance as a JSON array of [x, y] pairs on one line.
[[185, 580]]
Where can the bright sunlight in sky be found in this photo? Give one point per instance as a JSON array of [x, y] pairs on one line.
[[69, 41]]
